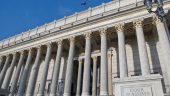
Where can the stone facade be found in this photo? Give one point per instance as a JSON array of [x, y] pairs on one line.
[[117, 49]]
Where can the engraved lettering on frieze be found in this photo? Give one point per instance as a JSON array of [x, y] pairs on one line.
[[138, 91]]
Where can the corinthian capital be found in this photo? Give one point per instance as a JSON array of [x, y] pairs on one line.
[[72, 39], [94, 58], [138, 23], [80, 60], [7, 55], [156, 20], [119, 27], [60, 42], [14, 53], [103, 31], [88, 35], [21, 52], [49, 44], [38, 47]]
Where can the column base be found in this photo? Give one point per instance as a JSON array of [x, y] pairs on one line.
[[78, 95], [40, 94], [167, 94], [28, 94], [19, 94], [93, 94], [4, 92], [67, 94], [85, 94], [104, 93], [52, 95]]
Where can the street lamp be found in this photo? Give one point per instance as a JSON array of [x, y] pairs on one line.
[[159, 11]]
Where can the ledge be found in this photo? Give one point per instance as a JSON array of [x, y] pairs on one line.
[[137, 78]]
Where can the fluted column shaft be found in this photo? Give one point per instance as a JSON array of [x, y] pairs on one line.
[[94, 87], [56, 69], [34, 73], [45, 71], [24, 77], [78, 92], [144, 61], [3, 72], [110, 81], [104, 72], [16, 75], [69, 72], [87, 65], [122, 51], [8, 76], [164, 43]]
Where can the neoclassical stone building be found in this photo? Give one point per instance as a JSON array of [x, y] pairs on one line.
[[116, 48]]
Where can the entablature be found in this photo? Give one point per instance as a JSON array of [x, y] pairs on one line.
[[79, 29]]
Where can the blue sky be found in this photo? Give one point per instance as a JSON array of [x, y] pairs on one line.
[[17, 16]]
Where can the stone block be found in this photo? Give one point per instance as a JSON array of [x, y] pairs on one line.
[[139, 86]]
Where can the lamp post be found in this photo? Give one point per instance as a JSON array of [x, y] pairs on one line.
[[159, 11]]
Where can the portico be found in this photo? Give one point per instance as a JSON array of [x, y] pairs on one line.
[[86, 60]]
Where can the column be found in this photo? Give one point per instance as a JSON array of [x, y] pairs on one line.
[[94, 87], [122, 50], [56, 69], [87, 65], [103, 65], [62, 74], [78, 92], [110, 86], [24, 77], [145, 68], [34, 73], [164, 43], [45, 70], [98, 81], [17, 73], [8, 76], [3, 72], [69, 72]]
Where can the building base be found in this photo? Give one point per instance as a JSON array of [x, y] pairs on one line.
[[149, 85]]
